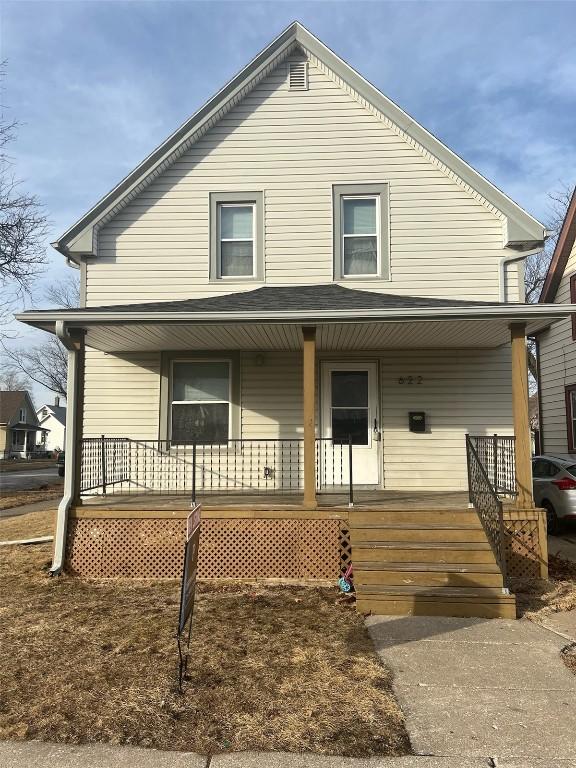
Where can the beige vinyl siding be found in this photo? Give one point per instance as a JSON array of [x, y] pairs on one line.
[[461, 391], [557, 370], [293, 145], [121, 395], [122, 399], [271, 392]]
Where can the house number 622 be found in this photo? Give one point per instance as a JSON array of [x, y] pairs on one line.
[[410, 380]]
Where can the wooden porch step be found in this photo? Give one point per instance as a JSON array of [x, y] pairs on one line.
[[375, 590], [476, 546], [365, 578], [413, 516], [502, 607], [440, 555], [447, 534], [430, 567]]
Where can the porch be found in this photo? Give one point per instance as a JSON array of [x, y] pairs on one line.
[[308, 422]]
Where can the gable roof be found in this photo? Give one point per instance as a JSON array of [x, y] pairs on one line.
[[522, 231], [58, 411], [10, 402], [561, 254]]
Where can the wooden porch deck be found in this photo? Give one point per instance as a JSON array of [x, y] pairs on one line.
[[327, 502]]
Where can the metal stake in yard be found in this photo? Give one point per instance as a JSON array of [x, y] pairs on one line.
[[194, 474]]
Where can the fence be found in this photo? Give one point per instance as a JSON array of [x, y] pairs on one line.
[[120, 465], [496, 453]]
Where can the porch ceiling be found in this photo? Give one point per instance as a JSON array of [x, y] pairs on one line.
[[275, 336]]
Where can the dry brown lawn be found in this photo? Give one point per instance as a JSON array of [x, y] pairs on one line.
[[28, 526], [19, 498], [272, 668]]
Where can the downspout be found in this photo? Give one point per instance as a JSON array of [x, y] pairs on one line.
[[513, 257], [504, 261], [70, 447]]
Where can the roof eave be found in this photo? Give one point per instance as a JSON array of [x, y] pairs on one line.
[[46, 320]]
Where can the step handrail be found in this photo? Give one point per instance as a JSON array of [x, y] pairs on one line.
[[485, 500]]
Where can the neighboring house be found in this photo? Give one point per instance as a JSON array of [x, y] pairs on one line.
[[299, 282], [52, 418], [557, 347], [18, 425]]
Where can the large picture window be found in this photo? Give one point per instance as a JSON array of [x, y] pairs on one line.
[[200, 405]]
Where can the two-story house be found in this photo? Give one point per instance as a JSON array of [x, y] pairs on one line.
[[557, 347], [297, 308]]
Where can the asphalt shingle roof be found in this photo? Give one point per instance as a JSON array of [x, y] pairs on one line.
[[9, 402], [305, 298]]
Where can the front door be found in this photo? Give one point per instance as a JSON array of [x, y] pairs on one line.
[[349, 411]]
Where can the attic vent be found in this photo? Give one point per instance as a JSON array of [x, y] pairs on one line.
[[298, 75]]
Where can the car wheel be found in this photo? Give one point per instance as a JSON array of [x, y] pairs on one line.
[[552, 520], [61, 471]]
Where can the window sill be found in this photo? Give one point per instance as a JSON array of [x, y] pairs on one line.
[[235, 280]]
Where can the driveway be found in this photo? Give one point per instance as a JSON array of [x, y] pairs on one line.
[[564, 544], [28, 479]]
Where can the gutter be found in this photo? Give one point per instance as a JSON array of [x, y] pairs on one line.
[[516, 311], [70, 449]]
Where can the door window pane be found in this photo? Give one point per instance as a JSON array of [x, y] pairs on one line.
[[350, 388], [204, 423], [201, 381], [350, 422]]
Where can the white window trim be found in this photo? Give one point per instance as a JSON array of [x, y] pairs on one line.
[[22, 416], [221, 240], [378, 235], [200, 402]]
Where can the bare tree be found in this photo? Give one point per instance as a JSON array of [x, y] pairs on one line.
[[13, 381], [536, 266], [23, 228], [45, 364], [65, 293]]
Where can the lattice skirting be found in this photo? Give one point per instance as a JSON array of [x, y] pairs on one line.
[[229, 549], [526, 544]]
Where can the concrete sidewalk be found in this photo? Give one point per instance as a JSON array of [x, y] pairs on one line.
[[479, 688], [31, 753]]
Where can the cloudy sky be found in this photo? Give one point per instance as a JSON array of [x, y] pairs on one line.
[[97, 85]]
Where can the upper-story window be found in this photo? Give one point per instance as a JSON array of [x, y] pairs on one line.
[[236, 239], [361, 243], [236, 236], [22, 415]]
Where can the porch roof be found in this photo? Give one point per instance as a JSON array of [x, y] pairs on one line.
[[270, 318]]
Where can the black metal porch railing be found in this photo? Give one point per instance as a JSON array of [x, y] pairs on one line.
[[496, 453], [121, 465], [487, 504]]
